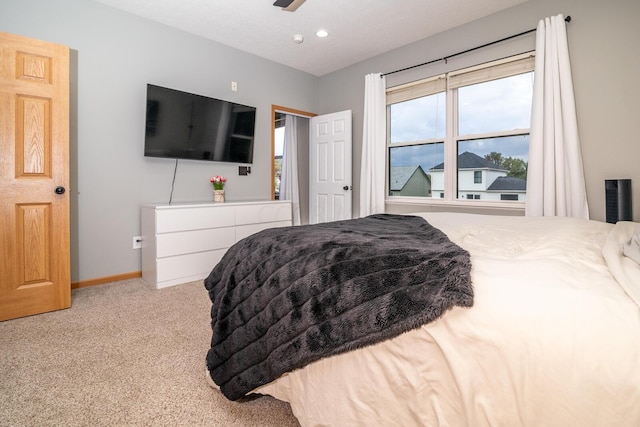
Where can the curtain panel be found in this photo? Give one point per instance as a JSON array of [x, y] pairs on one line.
[[374, 134], [289, 184], [555, 177]]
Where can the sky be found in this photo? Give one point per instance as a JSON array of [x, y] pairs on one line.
[[279, 141], [482, 108], [499, 105]]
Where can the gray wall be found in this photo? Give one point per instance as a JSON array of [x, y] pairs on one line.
[[114, 56], [603, 44]]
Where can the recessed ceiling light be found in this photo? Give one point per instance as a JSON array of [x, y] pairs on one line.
[[298, 38], [322, 33]]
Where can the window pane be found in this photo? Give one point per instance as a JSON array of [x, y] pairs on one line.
[[491, 168], [497, 105], [418, 119], [417, 170], [277, 160]]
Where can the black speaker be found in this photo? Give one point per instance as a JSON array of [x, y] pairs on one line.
[[618, 200]]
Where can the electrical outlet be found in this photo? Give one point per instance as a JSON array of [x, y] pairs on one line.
[[137, 242]]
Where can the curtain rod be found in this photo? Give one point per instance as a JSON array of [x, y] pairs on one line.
[[445, 58]]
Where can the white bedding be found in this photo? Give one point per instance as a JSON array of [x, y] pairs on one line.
[[552, 339]]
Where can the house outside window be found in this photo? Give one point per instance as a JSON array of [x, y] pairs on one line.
[[467, 131]]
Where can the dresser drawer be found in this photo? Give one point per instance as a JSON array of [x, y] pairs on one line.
[[192, 266], [186, 242], [172, 220], [260, 213]]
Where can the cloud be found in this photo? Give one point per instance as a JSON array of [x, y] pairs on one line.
[[425, 155], [493, 106], [508, 146], [418, 119], [497, 105]]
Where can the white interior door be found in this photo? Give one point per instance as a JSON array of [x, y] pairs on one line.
[[330, 185]]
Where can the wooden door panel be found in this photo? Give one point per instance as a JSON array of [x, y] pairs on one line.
[[34, 160], [33, 137], [33, 67], [34, 243]]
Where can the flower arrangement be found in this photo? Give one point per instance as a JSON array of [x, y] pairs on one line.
[[218, 182]]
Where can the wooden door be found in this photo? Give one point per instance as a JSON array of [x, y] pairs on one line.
[[34, 163], [330, 184]]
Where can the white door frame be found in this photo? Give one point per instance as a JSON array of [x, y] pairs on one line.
[[303, 159]]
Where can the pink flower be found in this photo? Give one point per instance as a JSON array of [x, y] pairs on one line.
[[218, 182]]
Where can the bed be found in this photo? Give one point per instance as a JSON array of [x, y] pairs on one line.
[[550, 338]]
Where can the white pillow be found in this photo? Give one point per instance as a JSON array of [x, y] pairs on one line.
[[631, 249], [623, 267]]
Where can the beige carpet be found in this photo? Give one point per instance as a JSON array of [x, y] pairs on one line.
[[125, 354]]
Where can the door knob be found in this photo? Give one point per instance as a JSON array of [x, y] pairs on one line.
[[59, 190], [346, 187]]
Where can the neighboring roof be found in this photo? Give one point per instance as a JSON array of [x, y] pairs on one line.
[[469, 160], [401, 174], [508, 183]]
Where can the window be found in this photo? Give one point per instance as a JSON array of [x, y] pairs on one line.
[[417, 117], [278, 151], [463, 135]]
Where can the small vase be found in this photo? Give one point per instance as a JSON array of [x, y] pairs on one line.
[[218, 195]]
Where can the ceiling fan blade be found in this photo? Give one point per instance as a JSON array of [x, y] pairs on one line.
[[289, 5], [283, 3]]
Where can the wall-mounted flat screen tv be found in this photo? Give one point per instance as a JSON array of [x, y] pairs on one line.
[[181, 125]]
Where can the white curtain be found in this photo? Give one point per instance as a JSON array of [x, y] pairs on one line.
[[289, 178], [555, 177], [374, 143]]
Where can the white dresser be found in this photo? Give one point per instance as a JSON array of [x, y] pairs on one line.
[[183, 242]]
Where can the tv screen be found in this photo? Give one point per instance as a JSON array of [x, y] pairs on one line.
[[183, 125]]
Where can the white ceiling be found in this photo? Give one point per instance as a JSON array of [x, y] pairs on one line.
[[358, 29]]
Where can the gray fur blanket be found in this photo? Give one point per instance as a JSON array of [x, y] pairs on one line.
[[285, 297]]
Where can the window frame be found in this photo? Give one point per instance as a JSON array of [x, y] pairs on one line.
[[493, 70]]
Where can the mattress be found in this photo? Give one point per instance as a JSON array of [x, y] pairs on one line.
[[553, 339]]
